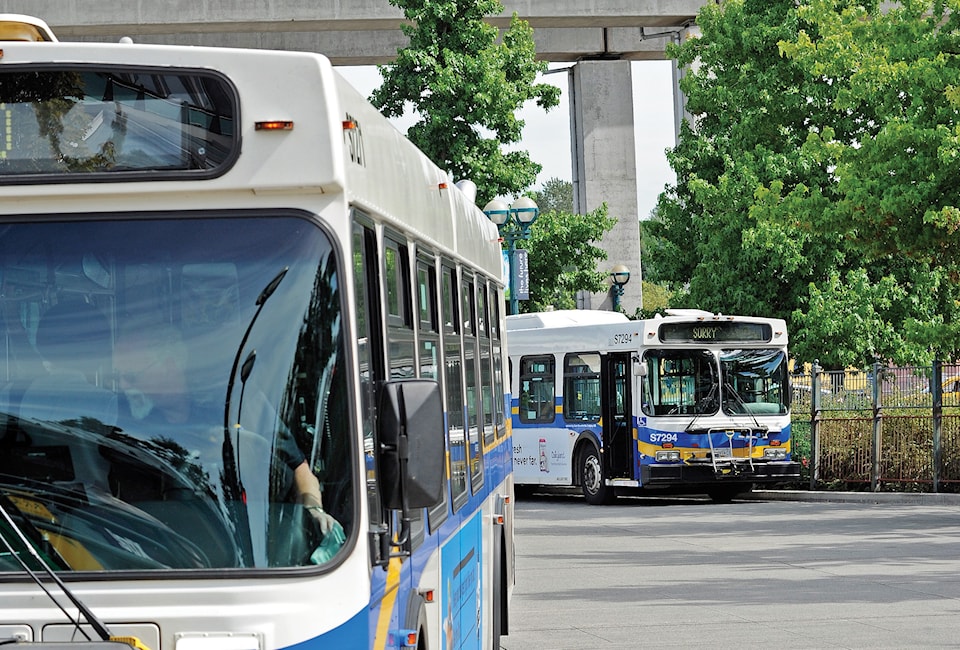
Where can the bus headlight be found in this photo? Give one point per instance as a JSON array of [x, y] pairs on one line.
[[668, 456], [775, 454]]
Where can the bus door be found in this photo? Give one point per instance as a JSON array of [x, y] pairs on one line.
[[618, 442]]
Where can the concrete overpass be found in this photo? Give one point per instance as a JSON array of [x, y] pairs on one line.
[[601, 36], [361, 32]]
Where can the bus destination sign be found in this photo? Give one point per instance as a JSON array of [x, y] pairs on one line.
[[723, 332]]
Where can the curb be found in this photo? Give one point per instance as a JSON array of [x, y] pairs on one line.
[[905, 498]]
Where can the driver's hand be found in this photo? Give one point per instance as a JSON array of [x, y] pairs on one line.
[[323, 518]]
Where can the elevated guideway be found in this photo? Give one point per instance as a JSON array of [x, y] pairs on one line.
[[361, 32]]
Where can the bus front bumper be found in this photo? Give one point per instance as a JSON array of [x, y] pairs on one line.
[[738, 470]]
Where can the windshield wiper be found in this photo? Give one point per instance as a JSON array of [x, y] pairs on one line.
[[744, 407], [702, 406], [6, 505]]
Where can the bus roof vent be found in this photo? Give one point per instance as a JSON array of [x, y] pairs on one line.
[[469, 188], [689, 313]]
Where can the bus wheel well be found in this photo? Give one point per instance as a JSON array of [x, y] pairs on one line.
[[578, 449], [416, 619], [591, 476]]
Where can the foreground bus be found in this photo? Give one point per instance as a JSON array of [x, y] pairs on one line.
[[691, 402], [251, 361]]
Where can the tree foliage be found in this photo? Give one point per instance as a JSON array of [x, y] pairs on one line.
[[562, 251], [466, 87], [816, 184], [556, 195]]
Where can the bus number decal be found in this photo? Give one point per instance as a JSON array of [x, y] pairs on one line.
[[621, 339], [663, 437]]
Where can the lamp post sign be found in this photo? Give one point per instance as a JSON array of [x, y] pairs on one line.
[[522, 281]]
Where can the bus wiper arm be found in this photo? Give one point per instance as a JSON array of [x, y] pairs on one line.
[[701, 407], [740, 402], [7, 504]]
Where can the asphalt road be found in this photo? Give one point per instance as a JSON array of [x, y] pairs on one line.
[[688, 573]]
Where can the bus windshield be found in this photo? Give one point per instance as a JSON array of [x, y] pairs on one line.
[[166, 383], [686, 382], [77, 122], [680, 382], [754, 381]]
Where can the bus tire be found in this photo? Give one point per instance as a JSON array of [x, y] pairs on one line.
[[592, 481]]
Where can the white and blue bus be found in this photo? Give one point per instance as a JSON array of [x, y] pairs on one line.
[[691, 402], [251, 351]]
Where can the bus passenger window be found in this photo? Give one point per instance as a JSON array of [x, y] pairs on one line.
[[581, 387], [537, 389]]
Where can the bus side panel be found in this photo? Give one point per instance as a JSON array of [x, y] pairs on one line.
[[462, 587]]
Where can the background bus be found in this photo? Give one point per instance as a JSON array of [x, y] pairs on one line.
[[691, 402], [251, 358]]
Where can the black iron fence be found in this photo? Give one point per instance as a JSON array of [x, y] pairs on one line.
[[881, 428]]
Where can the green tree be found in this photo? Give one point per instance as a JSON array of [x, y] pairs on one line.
[[555, 196], [563, 257], [895, 72], [466, 87], [752, 225], [656, 299]]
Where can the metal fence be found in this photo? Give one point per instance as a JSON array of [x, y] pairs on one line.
[[882, 428]]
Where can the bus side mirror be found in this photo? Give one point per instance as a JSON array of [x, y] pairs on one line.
[[410, 428], [639, 369]]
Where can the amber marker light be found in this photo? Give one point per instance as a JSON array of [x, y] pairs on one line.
[[29, 29], [274, 125]]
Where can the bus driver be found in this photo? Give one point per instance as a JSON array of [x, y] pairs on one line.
[[151, 364]]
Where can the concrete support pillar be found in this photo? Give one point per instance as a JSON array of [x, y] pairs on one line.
[[605, 168], [680, 113]]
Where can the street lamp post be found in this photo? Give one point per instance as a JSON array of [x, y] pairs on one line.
[[514, 223], [619, 276]]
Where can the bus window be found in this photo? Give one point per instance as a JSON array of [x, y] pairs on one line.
[[498, 378], [369, 352], [428, 329], [537, 389], [453, 376], [117, 122], [486, 367], [399, 318], [471, 367], [581, 387]]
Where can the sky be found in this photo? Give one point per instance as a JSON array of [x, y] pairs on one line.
[[547, 134]]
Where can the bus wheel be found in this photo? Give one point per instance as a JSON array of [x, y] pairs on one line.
[[595, 491]]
